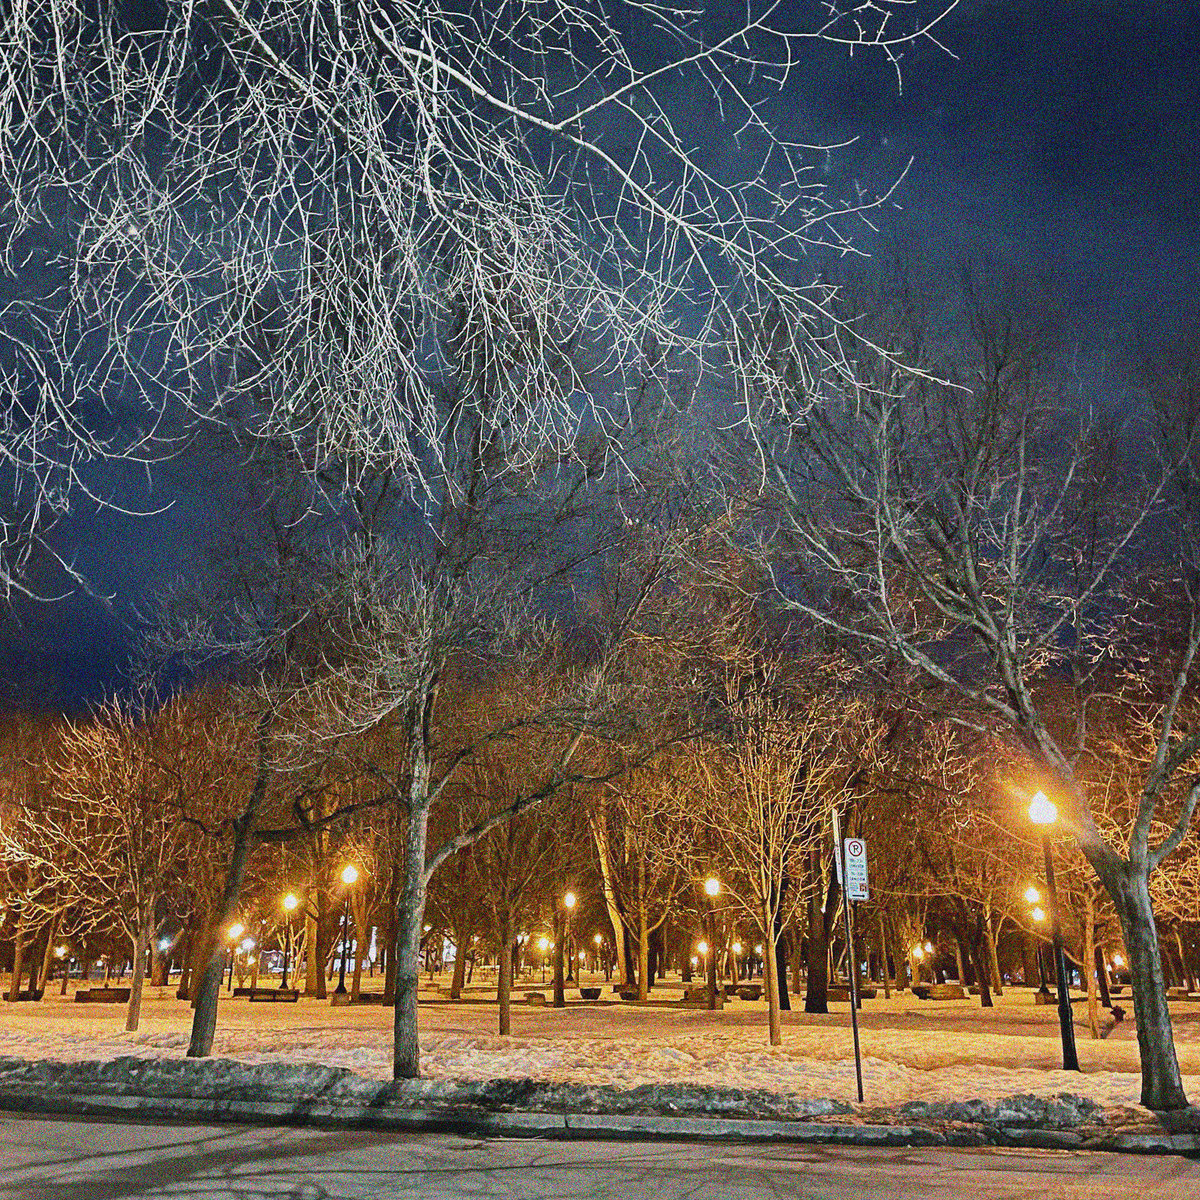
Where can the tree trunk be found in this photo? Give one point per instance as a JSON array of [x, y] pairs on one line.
[[599, 827], [1188, 980], [1088, 969], [360, 946], [505, 974], [560, 996], [1162, 1088], [406, 1050], [462, 939], [140, 944], [392, 933], [1102, 976], [14, 987], [771, 963], [993, 957], [48, 953], [816, 991], [781, 965], [643, 974], [883, 958], [204, 1020]]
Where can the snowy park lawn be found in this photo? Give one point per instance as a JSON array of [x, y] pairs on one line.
[[912, 1049]]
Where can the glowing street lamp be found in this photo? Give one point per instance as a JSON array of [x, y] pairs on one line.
[[1043, 813], [712, 889], [234, 932], [349, 877], [290, 904], [569, 902], [1032, 895]]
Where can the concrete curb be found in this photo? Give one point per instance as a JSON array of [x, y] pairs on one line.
[[579, 1126]]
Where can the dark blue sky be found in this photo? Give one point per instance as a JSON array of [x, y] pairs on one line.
[[1062, 142]]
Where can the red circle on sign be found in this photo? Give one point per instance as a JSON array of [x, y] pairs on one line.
[[854, 848]]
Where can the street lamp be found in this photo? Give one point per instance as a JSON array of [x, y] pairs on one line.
[[234, 932], [1039, 915], [569, 902], [737, 950], [1043, 813], [543, 944], [349, 878], [712, 889], [290, 903]]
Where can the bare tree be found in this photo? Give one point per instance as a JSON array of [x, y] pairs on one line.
[[975, 530]]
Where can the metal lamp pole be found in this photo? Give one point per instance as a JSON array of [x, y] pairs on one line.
[[712, 889], [1043, 813], [289, 906], [569, 902], [235, 932], [349, 875]]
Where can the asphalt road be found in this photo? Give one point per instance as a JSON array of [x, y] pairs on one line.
[[69, 1159]]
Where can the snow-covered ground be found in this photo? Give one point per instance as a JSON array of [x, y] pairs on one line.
[[913, 1050]]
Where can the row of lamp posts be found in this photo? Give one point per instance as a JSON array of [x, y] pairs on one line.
[[290, 902]]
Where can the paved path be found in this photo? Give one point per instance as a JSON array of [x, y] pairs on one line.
[[67, 1159]]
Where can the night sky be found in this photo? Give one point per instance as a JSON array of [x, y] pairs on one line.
[[1062, 144]]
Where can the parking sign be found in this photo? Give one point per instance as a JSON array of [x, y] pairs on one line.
[[856, 869]]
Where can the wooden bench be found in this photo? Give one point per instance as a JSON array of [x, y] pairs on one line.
[[589, 993], [268, 995], [750, 991], [103, 995], [535, 998]]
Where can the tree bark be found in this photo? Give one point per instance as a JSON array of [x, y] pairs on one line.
[[771, 962], [1162, 1088], [560, 996], [883, 958], [1088, 967], [406, 1049], [505, 974], [48, 953], [140, 944], [14, 987], [816, 991], [204, 1019], [993, 956], [462, 940], [599, 827]]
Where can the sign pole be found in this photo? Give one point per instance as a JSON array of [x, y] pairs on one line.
[[840, 851]]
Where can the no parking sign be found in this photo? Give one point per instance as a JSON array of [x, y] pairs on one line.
[[856, 869]]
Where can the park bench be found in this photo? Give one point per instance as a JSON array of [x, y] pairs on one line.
[[103, 995], [750, 991], [268, 995], [589, 993], [25, 995], [535, 998]]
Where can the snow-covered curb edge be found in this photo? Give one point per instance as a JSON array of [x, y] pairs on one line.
[[310, 1094]]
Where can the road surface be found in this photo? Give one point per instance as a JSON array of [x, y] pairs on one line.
[[71, 1159]]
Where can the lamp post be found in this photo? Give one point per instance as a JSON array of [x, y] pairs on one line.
[[1037, 914], [234, 932], [712, 889], [290, 903], [569, 902], [1043, 813], [349, 877], [601, 961], [543, 944]]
